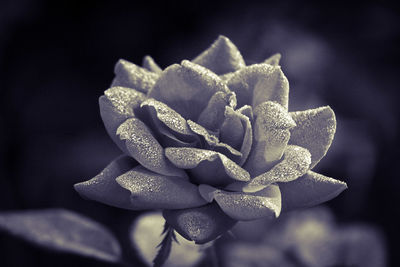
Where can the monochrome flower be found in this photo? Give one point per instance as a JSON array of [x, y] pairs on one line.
[[211, 142]]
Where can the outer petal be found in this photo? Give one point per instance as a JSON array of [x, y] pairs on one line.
[[206, 166], [271, 134], [295, 163], [212, 142], [314, 130], [187, 88], [213, 115], [143, 147], [259, 83], [117, 105], [309, 190], [151, 65], [104, 188], [201, 224], [221, 57], [250, 206], [130, 75], [273, 60], [150, 190]]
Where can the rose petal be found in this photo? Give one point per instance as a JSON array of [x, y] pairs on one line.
[[201, 224], [270, 137], [295, 163], [151, 65], [213, 115], [130, 75], [160, 112], [150, 190], [103, 187], [187, 88], [221, 57], [247, 111], [143, 147], [212, 142], [117, 105], [314, 130], [309, 190], [237, 132], [273, 60], [244, 207], [258, 83], [206, 166]]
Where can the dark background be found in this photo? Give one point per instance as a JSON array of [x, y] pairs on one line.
[[57, 58]]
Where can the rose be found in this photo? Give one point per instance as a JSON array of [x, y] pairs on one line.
[[211, 142]]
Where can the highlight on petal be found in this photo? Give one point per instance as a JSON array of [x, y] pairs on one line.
[[309, 190], [213, 115], [143, 147], [150, 190], [103, 187], [221, 57], [131, 75], [270, 137], [295, 163], [258, 83], [273, 60], [206, 166], [237, 132], [116, 105], [250, 206], [211, 141], [202, 224], [187, 88], [151, 65], [64, 231], [315, 129], [161, 113]]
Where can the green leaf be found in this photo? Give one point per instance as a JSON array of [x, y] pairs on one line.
[[64, 231]]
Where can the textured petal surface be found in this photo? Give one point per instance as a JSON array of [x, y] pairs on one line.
[[201, 224], [221, 57], [143, 147], [273, 60], [63, 231], [160, 112], [187, 88], [206, 166], [259, 83], [314, 130], [250, 206], [270, 137], [295, 163], [104, 188], [131, 75], [151, 65], [117, 105], [237, 132], [150, 190], [213, 115], [212, 142], [309, 190]]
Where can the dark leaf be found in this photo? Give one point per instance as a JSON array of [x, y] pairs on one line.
[[165, 246], [64, 231]]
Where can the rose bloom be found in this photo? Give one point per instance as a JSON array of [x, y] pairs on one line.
[[211, 142]]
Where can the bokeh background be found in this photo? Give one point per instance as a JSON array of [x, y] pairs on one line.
[[57, 58]]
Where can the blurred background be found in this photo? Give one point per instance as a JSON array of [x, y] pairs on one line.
[[57, 58]]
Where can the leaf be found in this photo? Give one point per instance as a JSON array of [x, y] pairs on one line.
[[165, 246], [64, 231]]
